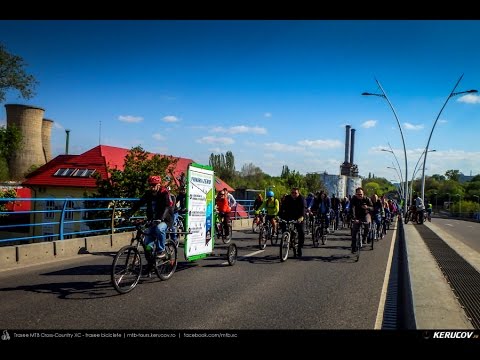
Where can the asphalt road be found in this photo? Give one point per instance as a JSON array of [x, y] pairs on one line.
[[465, 231], [325, 289]]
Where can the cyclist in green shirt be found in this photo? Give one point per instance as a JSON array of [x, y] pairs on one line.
[[272, 206]]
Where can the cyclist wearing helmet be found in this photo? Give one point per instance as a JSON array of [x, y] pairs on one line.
[[272, 207], [159, 209]]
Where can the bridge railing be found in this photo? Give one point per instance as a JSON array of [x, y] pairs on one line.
[[65, 218]]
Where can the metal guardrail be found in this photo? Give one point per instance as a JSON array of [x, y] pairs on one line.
[[66, 218]]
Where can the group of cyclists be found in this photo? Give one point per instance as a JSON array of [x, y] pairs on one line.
[[371, 211], [353, 211]]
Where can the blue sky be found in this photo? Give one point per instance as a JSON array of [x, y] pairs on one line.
[[273, 92]]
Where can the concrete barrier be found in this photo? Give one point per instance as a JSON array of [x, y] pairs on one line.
[[99, 243], [70, 247], [35, 253], [27, 254], [8, 256]]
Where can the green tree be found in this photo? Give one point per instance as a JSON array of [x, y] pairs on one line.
[[131, 182], [13, 75], [313, 183], [223, 165], [10, 142], [452, 175]]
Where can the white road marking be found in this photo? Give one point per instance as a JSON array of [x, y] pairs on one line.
[[245, 256]]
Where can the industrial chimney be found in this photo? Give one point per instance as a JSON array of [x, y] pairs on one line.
[[352, 144], [29, 120], [347, 143], [66, 141]]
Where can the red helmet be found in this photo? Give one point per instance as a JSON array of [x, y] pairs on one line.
[[154, 179]]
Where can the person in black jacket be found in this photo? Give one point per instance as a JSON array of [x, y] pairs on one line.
[[360, 209], [293, 208], [159, 209]]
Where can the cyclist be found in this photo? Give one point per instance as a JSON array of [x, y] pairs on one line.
[[429, 210], [256, 205], [360, 208], [293, 208], [272, 206], [159, 209], [223, 209]]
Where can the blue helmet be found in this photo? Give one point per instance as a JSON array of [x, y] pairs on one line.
[[270, 193]]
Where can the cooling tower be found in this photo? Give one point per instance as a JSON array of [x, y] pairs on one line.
[[29, 120], [46, 142]]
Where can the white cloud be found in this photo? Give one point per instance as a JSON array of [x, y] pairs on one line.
[[57, 125], [369, 123], [442, 121], [469, 99], [215, 150], [130, 118], [216, 140], [240, 129], [267, 114], [321, 144], [275, 146], [409, 126], [170, 119], [158, 136]]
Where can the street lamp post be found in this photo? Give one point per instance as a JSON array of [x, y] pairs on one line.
[[396, 159], [452, 94], [398, 174], [415, 173], [405, 185]]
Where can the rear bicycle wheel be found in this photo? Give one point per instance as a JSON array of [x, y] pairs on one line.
[[126, 269], [317, 236], [232, 254], [262, 239], [227, 239], [284, 246], [164, 268], [359, 244]]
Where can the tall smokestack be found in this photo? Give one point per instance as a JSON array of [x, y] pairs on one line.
[[347, 143], [352, 144], [66, 141], [27, 119], [46, 143]]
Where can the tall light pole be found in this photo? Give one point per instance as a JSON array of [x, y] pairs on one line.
[[395, 156], [415, 173], [452, 94], [405, 185], [394, 168]]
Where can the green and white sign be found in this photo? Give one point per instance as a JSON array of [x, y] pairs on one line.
[[200, 207]]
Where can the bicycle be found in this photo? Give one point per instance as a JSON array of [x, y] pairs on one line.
[[289, 239], [320, 232], [359, 237], [219, 226], [127, 263], [266, 232], [257, 222]]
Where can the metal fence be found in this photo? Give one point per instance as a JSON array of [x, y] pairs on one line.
[[66, 218]]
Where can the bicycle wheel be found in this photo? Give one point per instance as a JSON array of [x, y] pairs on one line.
[[255, 225], [317, 236], [359, 244], [262, 239], [324, 236], [164, 268], [284, 246], [227, 239], [232, 254], [126, 269]]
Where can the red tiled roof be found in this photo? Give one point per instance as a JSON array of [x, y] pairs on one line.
[[96, 158]]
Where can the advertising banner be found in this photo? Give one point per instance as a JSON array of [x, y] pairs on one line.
[[200, 207]]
